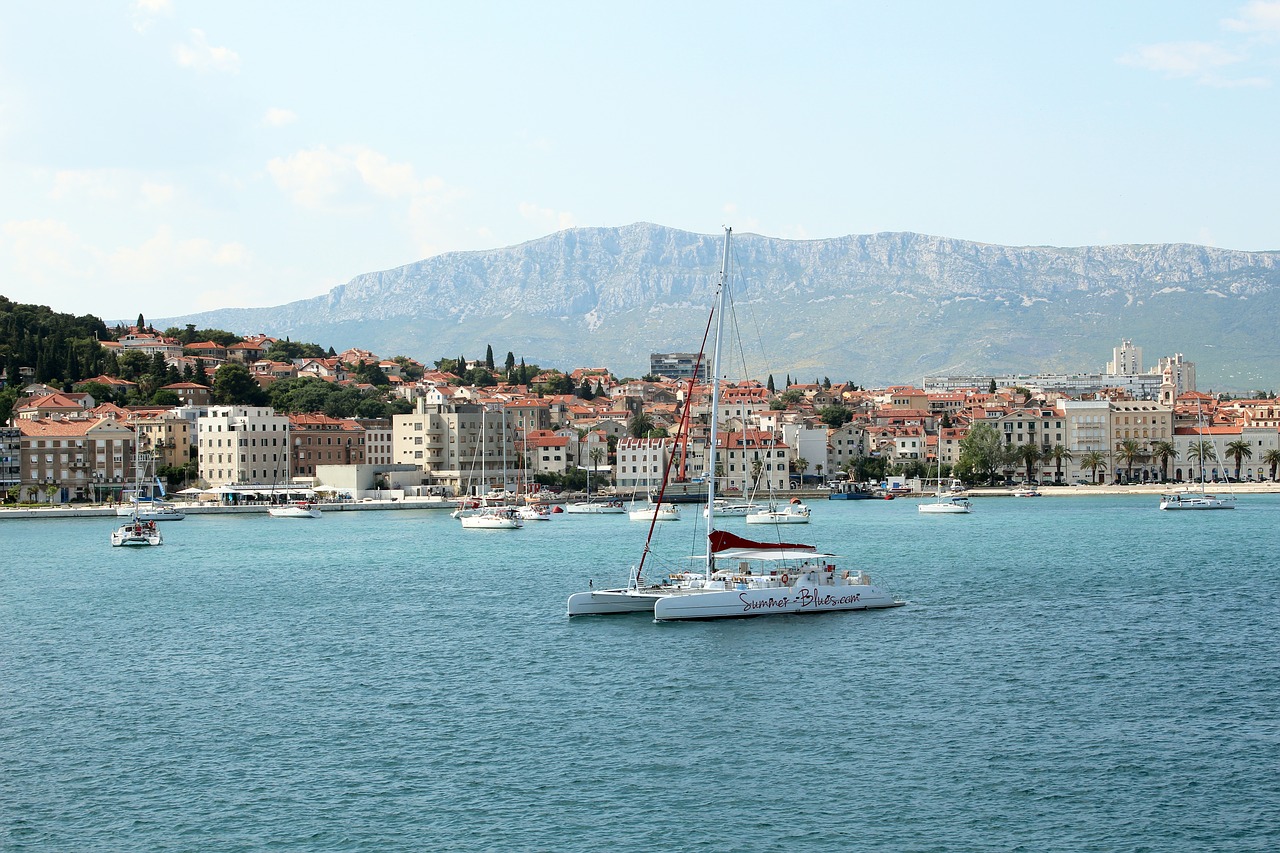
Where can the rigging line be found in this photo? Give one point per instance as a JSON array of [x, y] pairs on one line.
[[683, 433], [755, 322]]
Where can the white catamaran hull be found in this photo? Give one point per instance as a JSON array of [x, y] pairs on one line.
[[745, 600]]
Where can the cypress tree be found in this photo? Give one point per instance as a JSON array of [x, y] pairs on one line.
[[488, 357]]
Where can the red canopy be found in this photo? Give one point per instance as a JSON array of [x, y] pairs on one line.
[[723, 540]]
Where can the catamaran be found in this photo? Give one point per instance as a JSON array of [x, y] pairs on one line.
[[739, 577]]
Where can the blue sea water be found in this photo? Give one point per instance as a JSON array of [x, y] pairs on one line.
[[1070, 674]]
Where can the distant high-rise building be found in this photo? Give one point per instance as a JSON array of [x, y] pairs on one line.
[[1126, 359], [678, 365]]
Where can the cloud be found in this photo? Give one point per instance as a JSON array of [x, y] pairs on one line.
[[546, 217], [277, 117], [347, 177], [41, 247], [1182, 59], [80, 184], [157, 194], [1259, 18], [199, 55], [1206, 62], [145, 13], [163, 259]]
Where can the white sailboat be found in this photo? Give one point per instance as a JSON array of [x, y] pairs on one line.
[[652, 510], [487, 516], [297, 509], [1196, 497], [610, 506], [793, 512], [946, 503], [146, 499], [739, 577]]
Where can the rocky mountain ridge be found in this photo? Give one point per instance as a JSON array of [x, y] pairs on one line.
[[873, 308]]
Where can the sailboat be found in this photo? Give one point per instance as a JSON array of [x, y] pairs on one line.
[[489, 517], [146, 500], [1196, 497], [611, 506], [652, 510], [946, 503], [739, 577]]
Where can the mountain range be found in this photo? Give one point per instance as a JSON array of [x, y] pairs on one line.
[[874, 309]]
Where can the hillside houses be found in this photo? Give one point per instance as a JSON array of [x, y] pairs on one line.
[[453, 438]]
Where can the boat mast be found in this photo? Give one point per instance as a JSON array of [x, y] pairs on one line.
[[715, 401]]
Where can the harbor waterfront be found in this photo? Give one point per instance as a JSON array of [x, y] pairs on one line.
[[1067, 675]]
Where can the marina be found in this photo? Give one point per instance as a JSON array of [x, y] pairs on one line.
[[1053, 683]]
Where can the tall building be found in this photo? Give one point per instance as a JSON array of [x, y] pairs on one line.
[[1126, 359], [243, 444], [679, 365]]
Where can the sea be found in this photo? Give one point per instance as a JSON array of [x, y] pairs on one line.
[[1069, 674]]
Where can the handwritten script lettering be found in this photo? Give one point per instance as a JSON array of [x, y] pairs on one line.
[[804, 599]]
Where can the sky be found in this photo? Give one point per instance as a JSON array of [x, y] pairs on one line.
[[167, 157]]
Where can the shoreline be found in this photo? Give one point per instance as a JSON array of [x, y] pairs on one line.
[[809, 495]]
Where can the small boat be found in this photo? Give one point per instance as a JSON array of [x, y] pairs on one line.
[[1025, 492], [946, 503], [589, 507], [650, 512], [739, 509], [795, 512], [298, 509], [136, 532], [851, 492], [534, 512], [492, 518], [146, 499], [1194, 498]]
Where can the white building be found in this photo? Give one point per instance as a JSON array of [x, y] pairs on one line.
[[1126, 359], [641, 463], [243, 444]]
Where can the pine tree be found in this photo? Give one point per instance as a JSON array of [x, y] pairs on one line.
[[511, 362], [142, 324]]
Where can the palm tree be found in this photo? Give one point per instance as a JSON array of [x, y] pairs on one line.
[[1128, 452], [1162, 452], [1058, 454], [1272, 458], [801, 464], [1028, 454], [1239, 450], [1201, 452], [1093, 460]]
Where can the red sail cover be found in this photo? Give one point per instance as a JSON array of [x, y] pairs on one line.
[[722, 540]]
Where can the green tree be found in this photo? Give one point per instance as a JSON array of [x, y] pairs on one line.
[[769, 384], [1239, 450], [1271, 457], [1059, 454], [640, 425], [835, 416], [166, 397], [1128, 452], [488, 357], [982, 451], [991, 389], [1028, 454], [1200, 452], [233, 385], [1094, 460], [801, 465], [1163, 452]]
